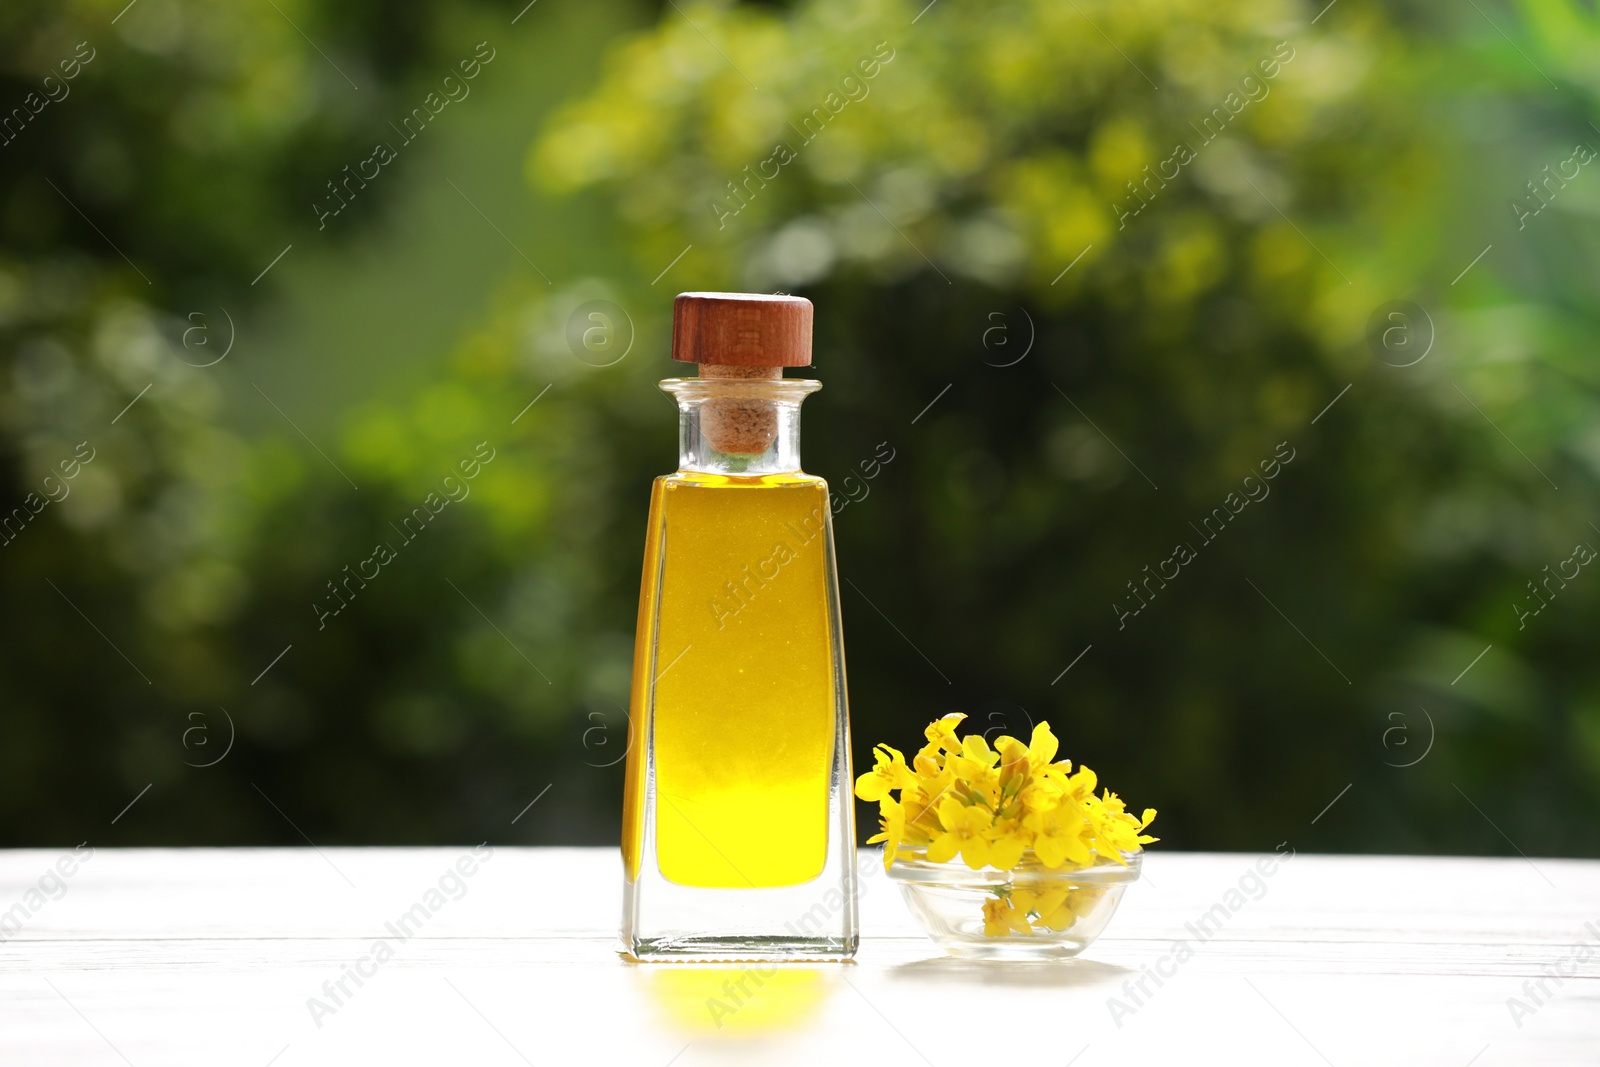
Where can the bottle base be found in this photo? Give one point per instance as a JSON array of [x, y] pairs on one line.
[[739, 949]]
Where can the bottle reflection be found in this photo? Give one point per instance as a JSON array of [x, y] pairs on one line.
[[759, 998]]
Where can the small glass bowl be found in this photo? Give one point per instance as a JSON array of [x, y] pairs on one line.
[[1044, 914]]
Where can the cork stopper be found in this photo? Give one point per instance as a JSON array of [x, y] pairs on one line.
[[741, 336], [741, 330]]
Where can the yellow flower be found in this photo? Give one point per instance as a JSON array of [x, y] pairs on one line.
[[1041, 794], [1145, 819], [892, 828], [976, 760], [1114, 830], [888, 773], [982, 790], [934, 782], [943, 730], [963, 833], [922, 814], [1008, 914], [1050, 908], [1024, 901], [927, 763], [1058, 838], [1017, 916], [1082, 784], [1008, 840], [996, 918], [941, 735], [1042, 749], [1015, 766], [996, 806], [1054, 909]]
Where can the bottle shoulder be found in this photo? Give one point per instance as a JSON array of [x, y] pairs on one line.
[[783, 480]]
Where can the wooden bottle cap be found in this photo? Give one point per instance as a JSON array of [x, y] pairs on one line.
[[741, 330]]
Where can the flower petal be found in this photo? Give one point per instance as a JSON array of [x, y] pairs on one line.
[[952, 813], [1042, 747], [1006, 853], [975, 852], [942, 849]]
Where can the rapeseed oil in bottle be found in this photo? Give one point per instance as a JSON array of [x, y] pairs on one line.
[[738, 840]]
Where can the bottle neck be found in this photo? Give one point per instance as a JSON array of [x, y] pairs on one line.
[[737, 426]]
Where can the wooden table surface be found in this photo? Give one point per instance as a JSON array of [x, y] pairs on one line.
[[223, 956]]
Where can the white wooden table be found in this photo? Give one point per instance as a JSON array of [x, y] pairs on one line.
[[154, 957]]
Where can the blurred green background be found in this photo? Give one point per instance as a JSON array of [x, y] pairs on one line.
[[1074, 358]]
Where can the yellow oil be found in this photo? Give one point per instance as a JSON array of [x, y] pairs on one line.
[[735, 603]]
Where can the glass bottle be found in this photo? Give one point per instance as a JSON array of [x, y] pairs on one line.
[[737, 838]]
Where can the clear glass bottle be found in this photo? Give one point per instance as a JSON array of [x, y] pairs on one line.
[[738, 839]]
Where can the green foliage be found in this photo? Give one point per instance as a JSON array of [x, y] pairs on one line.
[[963, 195], [936, 212], [158, 177]]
